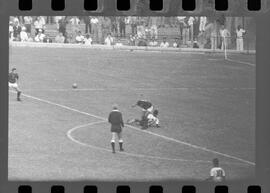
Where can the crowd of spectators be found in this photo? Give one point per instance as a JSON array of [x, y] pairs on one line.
[[143, 31]]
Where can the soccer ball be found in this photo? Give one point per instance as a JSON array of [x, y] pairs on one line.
[[74, 85]]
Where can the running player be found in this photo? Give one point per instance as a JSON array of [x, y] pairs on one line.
[[13, 79]]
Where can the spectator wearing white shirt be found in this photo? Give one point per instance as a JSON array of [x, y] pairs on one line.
[[203, 21], [109, 40], [24, 35], [40, 36], [39, 24], [74, 21], [164, 43], [240, 41], [79, 38], [190, 24], [88, 40], [94, 23], [225, 34]]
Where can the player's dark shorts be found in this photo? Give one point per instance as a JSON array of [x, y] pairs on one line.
[[116, 129]]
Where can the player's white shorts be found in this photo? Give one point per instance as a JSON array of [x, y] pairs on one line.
[[13, 85]]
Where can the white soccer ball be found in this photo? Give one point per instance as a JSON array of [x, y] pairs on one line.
[[74, 85]]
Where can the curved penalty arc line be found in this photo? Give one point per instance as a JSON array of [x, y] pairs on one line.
[[69, 135]]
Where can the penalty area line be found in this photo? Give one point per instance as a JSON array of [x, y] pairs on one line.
[[144, 131], [69, 135]]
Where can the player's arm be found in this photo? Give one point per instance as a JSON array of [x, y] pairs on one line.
[[134, 104], [121, 121], [109, 118]]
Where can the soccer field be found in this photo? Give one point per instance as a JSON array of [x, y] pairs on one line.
[[206, 109]]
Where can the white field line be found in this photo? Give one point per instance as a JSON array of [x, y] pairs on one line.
[[146, 89], [241, 62], [144, 131], [69, 135]]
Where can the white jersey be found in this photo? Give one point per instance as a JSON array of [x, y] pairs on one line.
[[240, 33], [217, 173]]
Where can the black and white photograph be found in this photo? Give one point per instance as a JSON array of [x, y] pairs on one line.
[[129, 98]]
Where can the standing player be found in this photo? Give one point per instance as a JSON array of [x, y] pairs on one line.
[[13, 79], [217, 174], [116, 120]]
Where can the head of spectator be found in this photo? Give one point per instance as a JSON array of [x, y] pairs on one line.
[[16, 23], [239, 27]]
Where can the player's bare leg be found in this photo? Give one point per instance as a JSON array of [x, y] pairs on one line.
[[120, 141], [113, 142]]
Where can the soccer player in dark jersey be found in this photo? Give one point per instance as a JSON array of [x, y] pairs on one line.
[[13, 78], [116, 120], [146, 106]]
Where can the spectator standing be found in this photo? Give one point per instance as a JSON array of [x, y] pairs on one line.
[[116, 120], [133, 24], [106, 29], [191, 28], [94, 23], [28, 23], [114, 28], [11, 30], [239, 38], [16, 30], [203, 21], [153, 22], [63, 25], [23, 35], [225, 35], [87, 21], [39, 24], [122, 26], [182, 25]]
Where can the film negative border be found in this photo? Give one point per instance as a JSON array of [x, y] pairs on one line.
[[103, 9], [139, 7], [150, 189]]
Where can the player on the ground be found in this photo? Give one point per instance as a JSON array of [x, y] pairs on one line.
[[116, 120], [217, 174], [13, 79], [144, 105], [147, 107], [150, 119]]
